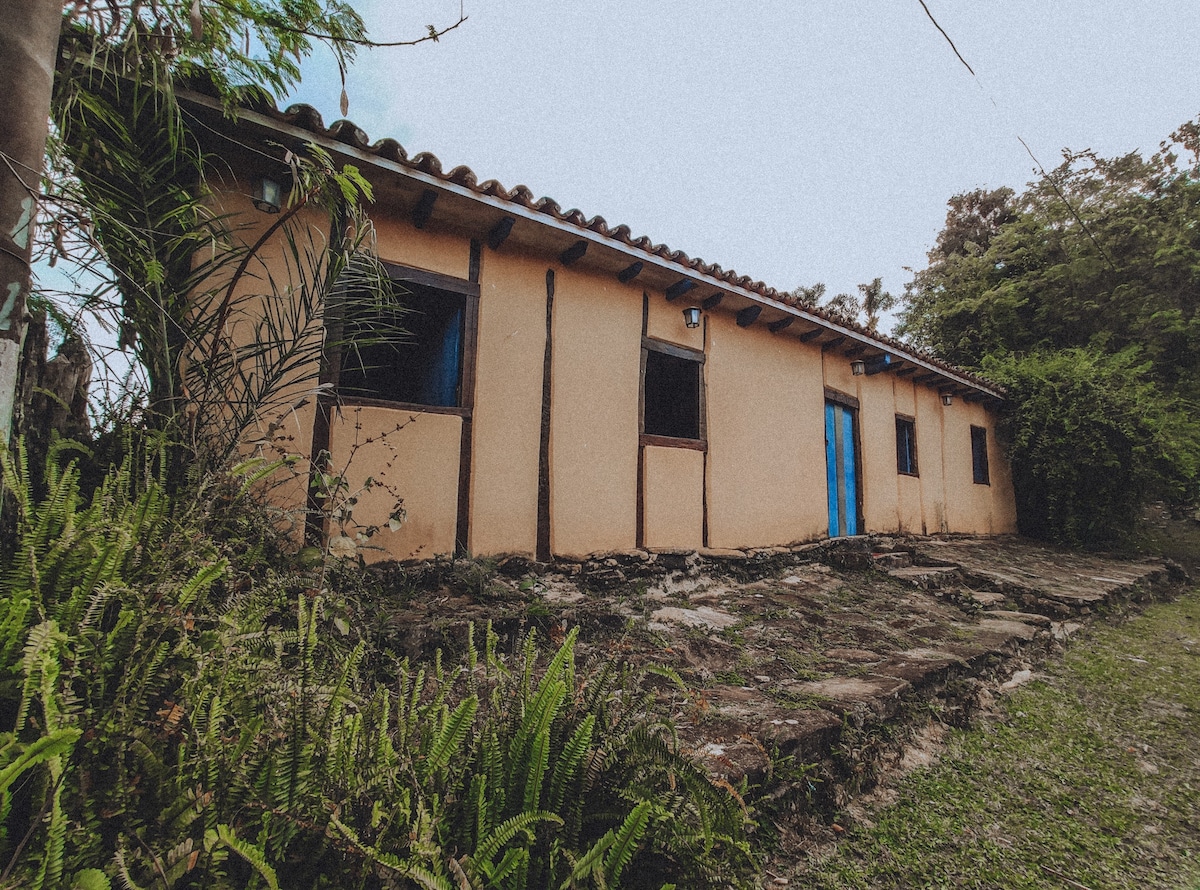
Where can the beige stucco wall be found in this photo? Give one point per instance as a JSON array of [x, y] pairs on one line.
[[417, 463], [970, 506], [431, 249], [877, 433], [594, 415], [664, 321], [766, 480], [931, 448], [1004, 499], [909, 514], [506, 434], [764, 395], [673, 480], [283, 412]]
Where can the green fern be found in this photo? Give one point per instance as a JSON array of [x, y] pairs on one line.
[[225, 836], [21, 759], [625, 842]]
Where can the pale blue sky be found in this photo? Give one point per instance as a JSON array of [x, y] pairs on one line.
[[795, 142]]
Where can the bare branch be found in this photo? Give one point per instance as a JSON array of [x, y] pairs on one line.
[[947, 36], [434, 32]]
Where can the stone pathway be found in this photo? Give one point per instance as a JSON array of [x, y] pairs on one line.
[[848, 633], [803, 652]]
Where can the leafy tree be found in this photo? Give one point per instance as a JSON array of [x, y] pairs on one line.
[[874, 300], [238, 46], [1091, 439], [1098, 252], [808, 296], [1081, 294], [871, 302]]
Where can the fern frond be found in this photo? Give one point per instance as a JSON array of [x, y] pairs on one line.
[[90, 879], [225, 836], [625, 843], [590, 863], [50, 871], [57, 744], [570, 760], [451, 736], [407, 868], [503, 833], [127, 881]]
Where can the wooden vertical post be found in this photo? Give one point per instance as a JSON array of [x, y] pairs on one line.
[[544, 551]]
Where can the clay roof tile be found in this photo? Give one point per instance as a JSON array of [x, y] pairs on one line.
[[306, 117]]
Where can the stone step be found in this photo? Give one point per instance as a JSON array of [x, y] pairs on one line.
[[884, 562], [927, 577]]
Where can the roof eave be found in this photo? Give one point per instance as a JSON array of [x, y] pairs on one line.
[[511, 208]]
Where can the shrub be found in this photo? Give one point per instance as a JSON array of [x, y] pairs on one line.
[[170, 721], [1091, 440]]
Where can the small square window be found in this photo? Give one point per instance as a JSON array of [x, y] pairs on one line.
[[420, 363], [979, 455], [671, 396], [906, 446]]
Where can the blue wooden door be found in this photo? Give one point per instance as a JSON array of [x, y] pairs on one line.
[[841, 470]]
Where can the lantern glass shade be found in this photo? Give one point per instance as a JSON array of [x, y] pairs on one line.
[[268, 194], [947, 398], [691, 316], [858, 367]]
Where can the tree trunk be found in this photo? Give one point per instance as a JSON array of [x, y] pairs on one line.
[[28, 47]]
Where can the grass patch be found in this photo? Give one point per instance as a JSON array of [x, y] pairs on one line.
[[1090, 775]]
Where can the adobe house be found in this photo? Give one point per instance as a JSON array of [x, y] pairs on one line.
[[568, 389]]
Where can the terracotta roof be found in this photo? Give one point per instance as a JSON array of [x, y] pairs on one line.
[[307, 118]]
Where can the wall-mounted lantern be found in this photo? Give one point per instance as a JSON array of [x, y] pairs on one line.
[[267, 195], [691, 316], [858, 367], [947, 399]]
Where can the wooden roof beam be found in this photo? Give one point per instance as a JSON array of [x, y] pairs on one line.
[[424, 208], [748, 316], [809, 336], [679, 288], [834, 343], [499, 232], [630, 272], [781, 324], [881, 364], [712, 302], [573, 253]]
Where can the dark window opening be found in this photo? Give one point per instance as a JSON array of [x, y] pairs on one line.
[[411, 354], [671, 396], [906, 447], [979, 457]]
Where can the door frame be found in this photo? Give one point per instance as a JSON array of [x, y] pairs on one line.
[[850, 407]]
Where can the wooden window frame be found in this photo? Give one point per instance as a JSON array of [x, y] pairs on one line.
[[700, 443], [913, 469], [980, 469], [841, 398], [469, 291]]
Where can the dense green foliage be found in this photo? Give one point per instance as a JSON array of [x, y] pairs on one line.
[[1083, 293], [1091, 439], [128, 199], [176, 713]]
